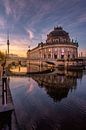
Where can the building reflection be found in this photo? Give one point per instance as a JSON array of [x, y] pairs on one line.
[[56, 85], [37, 68]]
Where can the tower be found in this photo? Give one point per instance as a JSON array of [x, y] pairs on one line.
[[8, 43]]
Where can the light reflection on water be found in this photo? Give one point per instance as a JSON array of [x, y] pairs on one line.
[[18, 69], [29, 68], [51, 101]]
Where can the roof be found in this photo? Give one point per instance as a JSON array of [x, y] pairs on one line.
[[58, 31]]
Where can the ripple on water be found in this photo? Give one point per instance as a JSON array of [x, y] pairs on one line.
[[37, 110]]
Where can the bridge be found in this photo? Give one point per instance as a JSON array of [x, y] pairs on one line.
[[16, 61]]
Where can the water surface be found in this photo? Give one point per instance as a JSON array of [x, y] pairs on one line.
[[50, 102]]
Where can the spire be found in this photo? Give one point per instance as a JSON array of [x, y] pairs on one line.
[[8, 43]]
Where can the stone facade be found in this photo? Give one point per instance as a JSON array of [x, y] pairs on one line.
[[58, 46]]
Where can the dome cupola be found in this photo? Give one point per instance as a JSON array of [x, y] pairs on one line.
[[58, 35]]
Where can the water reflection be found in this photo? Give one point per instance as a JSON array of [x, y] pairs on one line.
[[35, 109], [57, 86], [38, 68], [29, 69], [18, 69]]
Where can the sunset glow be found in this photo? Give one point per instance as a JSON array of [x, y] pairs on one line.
[[29, 21]]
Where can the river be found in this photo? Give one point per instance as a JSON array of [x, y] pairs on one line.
[[50, 101]]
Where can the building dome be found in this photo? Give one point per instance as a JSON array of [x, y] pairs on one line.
[[58, 31], [58, 35]]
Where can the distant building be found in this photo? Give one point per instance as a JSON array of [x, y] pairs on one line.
[[58, 46], [82, 53]]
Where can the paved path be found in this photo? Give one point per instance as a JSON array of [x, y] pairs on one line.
[[7, 113]]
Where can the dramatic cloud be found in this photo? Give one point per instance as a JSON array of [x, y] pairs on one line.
[[2, 22], [30, 33], [33, 19], [8, 6], [82, 18]]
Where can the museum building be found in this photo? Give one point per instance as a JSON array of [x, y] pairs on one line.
[[58, 46]]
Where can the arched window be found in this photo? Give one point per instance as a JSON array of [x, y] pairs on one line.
[[55, 56], [62, 56], [68, 54], [73, 56], [44, 56], [49, 56]]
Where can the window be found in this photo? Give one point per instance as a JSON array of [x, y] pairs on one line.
[[49, 50], [44, 56], [68, 56], [73, 56], [49, 56], [55, 56], [62, 56]]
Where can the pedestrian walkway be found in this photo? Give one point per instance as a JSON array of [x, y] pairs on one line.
[[7, 113]]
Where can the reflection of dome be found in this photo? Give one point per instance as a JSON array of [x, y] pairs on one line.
[[58, 35], [58, 85], [57, 93]]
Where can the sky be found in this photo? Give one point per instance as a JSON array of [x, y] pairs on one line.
[[29, 21]]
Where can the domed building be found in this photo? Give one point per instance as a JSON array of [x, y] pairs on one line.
[[57, 47]]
